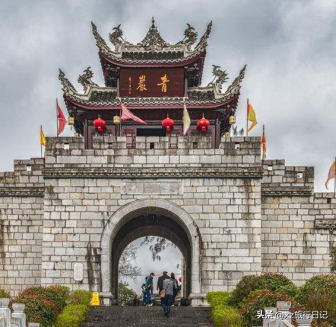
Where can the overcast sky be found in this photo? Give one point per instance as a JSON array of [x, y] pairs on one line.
[[289, 47], [170, 261]]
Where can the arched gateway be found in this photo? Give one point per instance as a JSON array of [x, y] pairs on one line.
[[143, 218]]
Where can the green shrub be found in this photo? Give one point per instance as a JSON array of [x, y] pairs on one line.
[[80, 297], [38, 309], [73, 315], [61, 290], [262, 299], [54, 293], [319, 294], [277, 282], [4, 294], [218, 298], [268, 281], [247, 285], [222, 313], [125, 293]]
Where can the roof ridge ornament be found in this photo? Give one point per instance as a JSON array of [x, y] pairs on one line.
[[203, 42], [153, 40], [101, 44], [220, 77], [86, 79], [234, 88], [116, 36], [190, 37], [67, 87]]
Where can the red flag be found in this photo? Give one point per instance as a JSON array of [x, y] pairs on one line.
[[61, 121], [126, 114], [263, 143]]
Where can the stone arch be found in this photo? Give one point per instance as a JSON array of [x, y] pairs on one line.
[[149, 206]]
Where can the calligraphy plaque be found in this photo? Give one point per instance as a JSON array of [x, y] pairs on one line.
[[149, 82], [151, 188]]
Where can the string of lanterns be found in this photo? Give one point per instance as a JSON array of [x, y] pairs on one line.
[[168, 123]]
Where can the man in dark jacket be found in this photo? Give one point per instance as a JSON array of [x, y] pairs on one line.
[[161, 279], [147, 288]]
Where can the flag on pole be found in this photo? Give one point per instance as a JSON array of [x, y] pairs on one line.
[[126, 114], [331, 174], [186, 119], [42, 137], [251, 116], [61, 121], [263, 143]]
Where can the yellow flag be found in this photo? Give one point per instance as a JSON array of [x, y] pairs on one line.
[[251, 116], [42, 137]]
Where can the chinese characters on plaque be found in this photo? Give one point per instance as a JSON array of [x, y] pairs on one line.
[[151, 82]]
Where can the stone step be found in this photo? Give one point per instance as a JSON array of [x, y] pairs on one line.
[[117, 316]]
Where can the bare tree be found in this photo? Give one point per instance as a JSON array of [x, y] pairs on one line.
[[127, 264], [160, 244]]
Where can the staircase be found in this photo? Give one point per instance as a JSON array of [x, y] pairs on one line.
[[147, 316]]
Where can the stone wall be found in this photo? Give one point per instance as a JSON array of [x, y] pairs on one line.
[[21, 215], [251, 216], [298, 226], [218, 188]]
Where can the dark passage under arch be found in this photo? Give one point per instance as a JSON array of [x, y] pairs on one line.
[[151, 225]]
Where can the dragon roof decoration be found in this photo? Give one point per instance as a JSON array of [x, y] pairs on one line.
[[153, 42]]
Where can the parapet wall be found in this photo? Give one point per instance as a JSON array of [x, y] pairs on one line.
[[298, 226], [252, 215], [21, 219], [152, 151]]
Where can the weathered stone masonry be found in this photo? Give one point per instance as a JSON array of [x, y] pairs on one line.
[[247, 216]]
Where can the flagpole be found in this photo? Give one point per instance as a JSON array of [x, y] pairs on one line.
[[247, 117], [40, 139], [335, 176], [120, 116], [56, 118]]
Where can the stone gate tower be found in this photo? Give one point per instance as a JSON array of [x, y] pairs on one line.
[[66, 218]]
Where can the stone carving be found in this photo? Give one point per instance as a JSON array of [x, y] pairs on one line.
[[220, 77], [234, 88], [116, 36], [67, 87], [86, 79], [101, 44], [204, 39], [190, 37], [151, 188], [153, 40], [22, 191]]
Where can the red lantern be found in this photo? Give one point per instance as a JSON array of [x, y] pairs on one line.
[[180, 279], [203, 124], [99, 124], [168, 124]]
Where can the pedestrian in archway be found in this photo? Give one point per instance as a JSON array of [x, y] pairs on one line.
[[147, 289], [176, 288], [167, 294], [160, 283]]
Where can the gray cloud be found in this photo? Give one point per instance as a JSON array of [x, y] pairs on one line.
[[289, 47]]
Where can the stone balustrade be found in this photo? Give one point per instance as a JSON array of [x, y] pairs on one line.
[[15, 319], [280, 316]]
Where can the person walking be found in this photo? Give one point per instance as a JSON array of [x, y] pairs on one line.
[[176, 286], [168, 292], [161, 279], [160, 283], [148, 289]]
